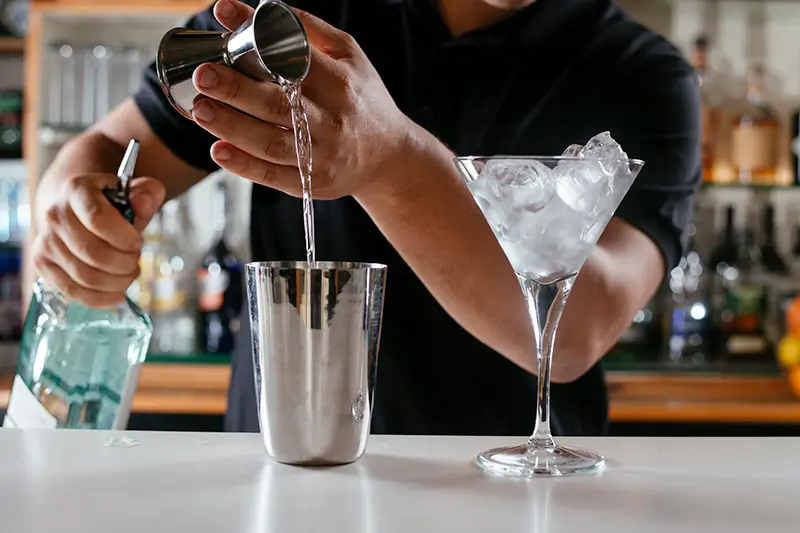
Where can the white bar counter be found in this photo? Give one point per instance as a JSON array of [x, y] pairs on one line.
[[71, 482]]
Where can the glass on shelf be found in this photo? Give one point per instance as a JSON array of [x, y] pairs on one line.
[[547, 214]]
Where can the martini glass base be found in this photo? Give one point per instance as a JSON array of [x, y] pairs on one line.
[[529, 461]]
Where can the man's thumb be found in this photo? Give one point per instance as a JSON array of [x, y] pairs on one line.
[[146, 197], [326, 38]]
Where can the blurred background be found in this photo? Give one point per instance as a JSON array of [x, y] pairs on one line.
[[717, 350]]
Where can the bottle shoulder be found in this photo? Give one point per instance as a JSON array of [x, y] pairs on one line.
[[52, 305]]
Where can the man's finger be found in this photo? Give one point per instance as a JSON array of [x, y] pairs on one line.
[[326, 38], [101, 218], [232, 13], [88, 297], [264, 101], [146, 197], [240, 163], [87, 276], [92, 250], [258, 138]]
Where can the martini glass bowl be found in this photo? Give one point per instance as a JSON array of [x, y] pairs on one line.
[[547, 214]]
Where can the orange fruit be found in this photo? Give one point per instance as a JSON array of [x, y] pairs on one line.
[[793, 318], [789, 351]]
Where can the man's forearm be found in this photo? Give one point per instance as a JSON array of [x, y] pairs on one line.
[[431, 219]]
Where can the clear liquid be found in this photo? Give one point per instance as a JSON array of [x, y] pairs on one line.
[[79, 363], [302, 142], [83, 377]]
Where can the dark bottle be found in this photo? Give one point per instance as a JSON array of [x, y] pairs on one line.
[[688, 321], [724, 254], [771, 258], [220, 286], [795, 259], [741, 317]]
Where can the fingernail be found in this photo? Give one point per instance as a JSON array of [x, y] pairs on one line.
[[207, 79], [223, 154], [226, 8], [204, 112]]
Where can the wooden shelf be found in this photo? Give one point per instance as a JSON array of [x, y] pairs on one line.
[[655, 398], [11, 45], [175, 388]]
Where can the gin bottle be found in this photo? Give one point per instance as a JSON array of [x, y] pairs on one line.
[[78, 367]]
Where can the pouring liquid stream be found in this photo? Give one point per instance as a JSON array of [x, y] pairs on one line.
[[302, 141]]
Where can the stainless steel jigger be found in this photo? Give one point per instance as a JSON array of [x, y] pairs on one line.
[[271, 46], [315, 335]]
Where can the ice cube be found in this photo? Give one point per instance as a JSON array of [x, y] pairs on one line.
[[522, 183], [584, 186], [573, 150], [603, 147], [490, 204], [592, 233]]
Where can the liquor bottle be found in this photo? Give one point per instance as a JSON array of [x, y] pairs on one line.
[[688, 322], [642, 340], [141, 291], [770, 257], [10, 263], [220, 285], [173, 320], [755, 134], [724, 254], [10, 124], [744, 304], [710, 110], [794, 147], [78, 366], [795, 259]]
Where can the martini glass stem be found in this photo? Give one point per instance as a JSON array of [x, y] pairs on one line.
[[546, 304]]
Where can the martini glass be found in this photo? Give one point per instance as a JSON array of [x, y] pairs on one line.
[[547, 213]]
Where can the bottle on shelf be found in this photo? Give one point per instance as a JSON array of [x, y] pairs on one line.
[[710, 109], [642, 340], [78, 366], [10, 124], [173, 318], [794, 147], [688, 320], [771, 258], [220, 285], [755, 134], [795, 256], [10, 263]]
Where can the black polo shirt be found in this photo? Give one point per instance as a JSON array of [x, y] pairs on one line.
[[556, 73]]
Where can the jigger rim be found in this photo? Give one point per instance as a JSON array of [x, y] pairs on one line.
[[317, 265], [306, 43], [162, 73]]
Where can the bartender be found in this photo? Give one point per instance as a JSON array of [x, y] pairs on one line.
[[390, 102]]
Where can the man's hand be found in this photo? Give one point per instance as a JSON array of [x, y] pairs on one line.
[[85, 248], [356, 128]]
